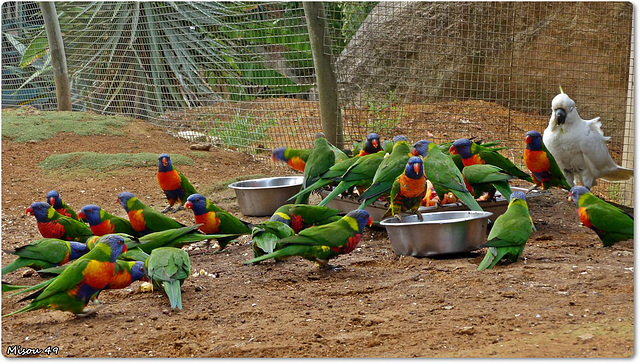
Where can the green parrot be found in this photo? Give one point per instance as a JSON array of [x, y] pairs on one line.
[[473, 153], [265, 236], [168, 268], [54, 199], [302, 216], [174, 184], [320, 160], [609, 222], [509, 233], [388, 170], [45, 253], [543, 166], [443, 173], [482, 178], [80, 281], [175, 238], [102, 223], [360, 175], [143, 218], [457, 159], [321, 243], [295, 158]]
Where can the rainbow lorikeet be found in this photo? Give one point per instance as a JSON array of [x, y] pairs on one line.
[[302, 216], [445, 147], [103, 223], [53, 198], [371, 145], [320, 160], [45, 253], [473, 153], [173, 183], [52, 224], [80, 281], [168, 268], [265, 236], [295, 158], [443, 174], [359, 175], [481, 178], [143, 218], [544, 168], [408, 190], [175, 238], [609, 222], [388, 170], [321, 243], [215, 220], [509, 233]]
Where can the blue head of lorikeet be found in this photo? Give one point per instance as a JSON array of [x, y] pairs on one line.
[[372, 144], [398, 138], [123, 198], [519, 195], [164, 163], [414, 168], [576, 192], [77, 250], [278, 154], [116, 243], [362, 217], [90, 213], [40, 210], [420, 148], [139, 272], [198, 203], [53, 198], [534, 140], [463, 147]]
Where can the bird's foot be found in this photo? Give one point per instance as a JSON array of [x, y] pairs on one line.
[[89, 311], [179, 208], [166, 209], [332, 268], [534, 187], [397, 216], [418, 215]]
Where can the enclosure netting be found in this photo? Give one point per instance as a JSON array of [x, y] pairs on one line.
[[241, 75]]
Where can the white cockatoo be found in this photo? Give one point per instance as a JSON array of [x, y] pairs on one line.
[[579, 145]]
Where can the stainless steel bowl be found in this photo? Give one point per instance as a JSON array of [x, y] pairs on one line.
[[263, 196], [439, 232]]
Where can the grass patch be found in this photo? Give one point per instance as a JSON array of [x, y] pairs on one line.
[[25, 124], [90, 162]]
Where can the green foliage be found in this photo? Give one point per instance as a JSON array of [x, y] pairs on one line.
[[89, 162], [241, 130], [24, 124], [385, 113]]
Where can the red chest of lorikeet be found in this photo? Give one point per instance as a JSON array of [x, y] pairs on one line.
[[54, 199], [543, 166], [103, 223], [473, 153], [409, 188], [45, 253], [609, 222], [51, 224], [80, 281], [215, 220], [143, 218], [295, 158], [321, 243], [302, 216], [173, 183]]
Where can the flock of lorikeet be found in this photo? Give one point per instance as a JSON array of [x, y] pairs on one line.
[[94, 250]]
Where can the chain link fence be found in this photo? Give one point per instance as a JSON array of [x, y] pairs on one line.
[[241, 74]]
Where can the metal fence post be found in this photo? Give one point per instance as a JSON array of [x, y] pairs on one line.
[[626, 193], [325, 77], [58, 57]]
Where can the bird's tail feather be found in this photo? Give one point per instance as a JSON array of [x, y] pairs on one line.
[[16, 264], [24, 309], [492, 257], [38, 286], [172, 289], [468, 200], [341, 187]]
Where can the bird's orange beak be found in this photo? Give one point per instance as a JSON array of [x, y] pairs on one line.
[[188, 205], [453, 150], [29, 211], [82, 216], [528, 140], [375, 143], [124, 248], [52, 201], [164, 162], [370, 221], [414, 151], [416, 167]]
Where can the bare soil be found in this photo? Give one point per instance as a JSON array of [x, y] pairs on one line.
[[567, 297]]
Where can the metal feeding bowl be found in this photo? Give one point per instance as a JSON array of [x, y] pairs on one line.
[[263, 196], [439, 233]]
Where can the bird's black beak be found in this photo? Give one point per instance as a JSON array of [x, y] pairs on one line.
[[561, 116]]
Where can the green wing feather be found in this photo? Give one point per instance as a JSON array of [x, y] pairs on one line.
[[186, 186], [494, 158], [388, 170], [615, 223], [445, 177], [154, 220]]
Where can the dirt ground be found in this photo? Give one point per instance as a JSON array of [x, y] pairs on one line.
[[568, 297]]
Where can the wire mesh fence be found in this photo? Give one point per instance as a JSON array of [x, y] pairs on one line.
[[241, 74]]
